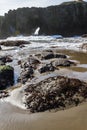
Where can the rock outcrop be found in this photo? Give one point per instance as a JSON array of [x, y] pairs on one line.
[[49, 54], [19, 43], [55, 92], [67, 19], [6, 76]]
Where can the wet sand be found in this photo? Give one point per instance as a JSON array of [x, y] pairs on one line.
[[13, 118]]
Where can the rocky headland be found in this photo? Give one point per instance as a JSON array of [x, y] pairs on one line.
[[66, 19]]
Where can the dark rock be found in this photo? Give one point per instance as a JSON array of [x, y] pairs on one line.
[[1, 63], [47, 68], [6, 59], [55, 92], [84, 35], [3, 94], [19, 62], [51, 20], [26, 74], [31, 61], [60, 56], [19, 43], [63, 62], [84, 46], [0, 48], [49, 54], [6, 76], [21, 46]]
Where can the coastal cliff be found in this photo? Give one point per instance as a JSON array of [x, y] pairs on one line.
[[67, 19]]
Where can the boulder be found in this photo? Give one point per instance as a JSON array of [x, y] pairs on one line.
[[3, 94], [84, 46], [31, 61], [19, 43], [1, 63], [6, 59], [26, 74], [21, 46], [6, 76], [49, 54], [55, 92], [84, 35], [0, 48], [60, 56], [47, 68], [63, 62]]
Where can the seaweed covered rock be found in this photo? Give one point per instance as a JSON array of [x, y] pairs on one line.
[[55, 92], [6, 76]]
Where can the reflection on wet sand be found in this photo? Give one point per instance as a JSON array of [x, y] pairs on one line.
[[12, 118]]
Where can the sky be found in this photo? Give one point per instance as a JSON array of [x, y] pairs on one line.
[[6, 5]]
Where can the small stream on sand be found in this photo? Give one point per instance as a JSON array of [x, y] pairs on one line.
[[15, 118]]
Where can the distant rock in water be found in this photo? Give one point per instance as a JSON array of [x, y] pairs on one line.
[[49, 54], [6, 76], [19, 43], [84, 46], [66, 19]]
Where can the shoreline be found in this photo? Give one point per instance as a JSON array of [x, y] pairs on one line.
[[11, 116]]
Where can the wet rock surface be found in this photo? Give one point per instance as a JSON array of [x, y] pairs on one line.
[[6, 76], [31, 61], [55, 92], [3, 94], [26, 74], [47, 68], [6, 59], [19, 43], [84, 35], [84, 46], [0, 48], [63, 62], [49, 54], [46, 62]]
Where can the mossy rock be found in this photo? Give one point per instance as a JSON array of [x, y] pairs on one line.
[[5, 68], [6, 76]]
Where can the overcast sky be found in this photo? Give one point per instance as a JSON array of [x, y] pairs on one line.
[[5, 5]]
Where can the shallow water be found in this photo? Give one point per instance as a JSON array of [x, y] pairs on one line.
[[14, 118]]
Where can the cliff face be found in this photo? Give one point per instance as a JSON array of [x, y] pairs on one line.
[[67, 19]]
